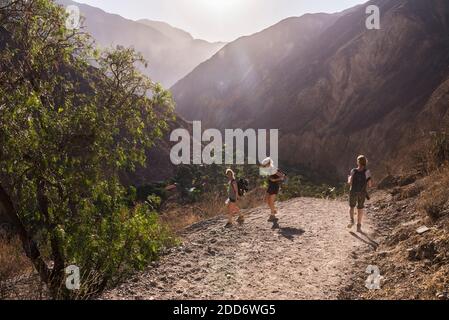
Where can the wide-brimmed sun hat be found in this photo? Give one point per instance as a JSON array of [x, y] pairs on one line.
[[268, 162]]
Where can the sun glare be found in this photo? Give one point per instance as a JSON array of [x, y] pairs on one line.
[[218, 6]]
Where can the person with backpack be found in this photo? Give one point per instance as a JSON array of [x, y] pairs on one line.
[[233, 197], [359, 180], [275, 179]]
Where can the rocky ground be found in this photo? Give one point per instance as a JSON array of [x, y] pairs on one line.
[[309, 254], [413, 254]]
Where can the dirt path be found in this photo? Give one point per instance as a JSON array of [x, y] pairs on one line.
[[310, 255]]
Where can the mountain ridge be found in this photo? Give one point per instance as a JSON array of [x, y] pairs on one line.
[[169, 58], [336, 92]]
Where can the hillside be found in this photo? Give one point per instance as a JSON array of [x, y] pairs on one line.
[[171, 53], [333, 87]]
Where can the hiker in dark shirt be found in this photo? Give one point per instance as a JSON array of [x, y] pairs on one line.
[[275, 179], [359, 180]]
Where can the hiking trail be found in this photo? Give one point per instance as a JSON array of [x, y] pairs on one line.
[[310, 254]]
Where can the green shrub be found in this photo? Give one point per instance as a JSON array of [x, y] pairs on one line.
[[117, 244], [298, 186]]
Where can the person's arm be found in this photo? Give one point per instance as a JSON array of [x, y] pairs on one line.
[[369, 178], [351, 175]]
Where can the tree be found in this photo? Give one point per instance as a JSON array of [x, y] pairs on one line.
[[67, 129]]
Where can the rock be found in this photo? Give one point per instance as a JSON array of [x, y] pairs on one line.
[[211, 252], [443, 296], [153, 283], [422, 230], [425, 251], [388, 182], [410, 223], [407, 180]]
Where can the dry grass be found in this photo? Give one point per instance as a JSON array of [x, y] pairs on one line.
[[415, 266], [14, 265], [434, 201], [178, 217]]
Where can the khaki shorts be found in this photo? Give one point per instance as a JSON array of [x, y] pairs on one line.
[[357, 199]]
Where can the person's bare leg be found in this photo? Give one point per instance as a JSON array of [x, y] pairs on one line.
[[230, 214], [351, 217], [271, 204], [360, 219], [237, 211]]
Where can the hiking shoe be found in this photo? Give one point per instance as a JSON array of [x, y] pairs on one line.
[[359, 228], [273, 218], [351, 224], [241, 220]]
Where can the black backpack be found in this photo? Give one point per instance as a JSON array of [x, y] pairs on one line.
[[242, 186], [285, 181], [359, 182]]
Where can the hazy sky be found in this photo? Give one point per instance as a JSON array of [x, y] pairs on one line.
[[219, 20]]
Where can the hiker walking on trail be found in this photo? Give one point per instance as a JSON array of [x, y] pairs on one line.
[[233, 197], [275, 179], [359, 180]]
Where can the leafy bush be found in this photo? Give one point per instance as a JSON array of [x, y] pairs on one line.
[[298, 186], [67, 131], [118, 243]]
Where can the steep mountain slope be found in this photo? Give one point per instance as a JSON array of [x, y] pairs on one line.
[[169, 31], [332, 86], [171, 53]]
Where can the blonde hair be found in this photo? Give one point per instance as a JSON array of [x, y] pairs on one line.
[[362, 160], [230, 171]]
